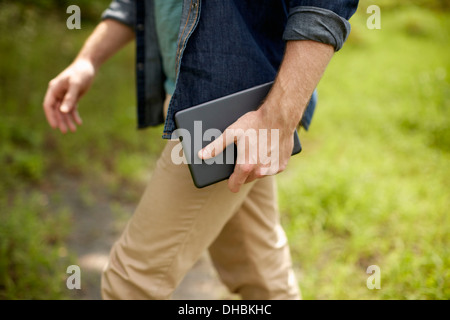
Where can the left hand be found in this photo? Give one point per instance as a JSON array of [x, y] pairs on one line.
[[264, 147]]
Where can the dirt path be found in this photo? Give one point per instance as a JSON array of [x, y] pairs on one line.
[[96, 225]]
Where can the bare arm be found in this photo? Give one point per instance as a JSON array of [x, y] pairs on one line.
[[303, 65], [64, 91]]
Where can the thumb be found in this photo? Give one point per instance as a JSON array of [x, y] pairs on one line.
[[70, 99], [218, 145]]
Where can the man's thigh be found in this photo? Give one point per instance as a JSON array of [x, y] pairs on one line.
[[173, 224], [251, 254]]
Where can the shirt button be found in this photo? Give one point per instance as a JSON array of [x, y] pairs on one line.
[[140, 27], [140, 66], [194, 5]]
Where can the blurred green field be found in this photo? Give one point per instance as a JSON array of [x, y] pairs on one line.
[[371, 186]]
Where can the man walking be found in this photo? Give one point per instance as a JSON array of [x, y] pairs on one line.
[[190, 52]]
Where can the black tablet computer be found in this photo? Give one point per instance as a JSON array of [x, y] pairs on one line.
[[199, 125]]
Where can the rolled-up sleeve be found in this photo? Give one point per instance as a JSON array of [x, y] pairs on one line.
[[324, 21], [123, 11]]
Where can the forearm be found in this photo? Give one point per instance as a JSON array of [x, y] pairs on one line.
[[107, 38], [301, 70]]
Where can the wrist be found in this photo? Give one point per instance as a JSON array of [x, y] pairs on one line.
[[283, 110], [85, 65], [273, 120]]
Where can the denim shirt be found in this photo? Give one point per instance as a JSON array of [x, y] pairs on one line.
[[224, 46]]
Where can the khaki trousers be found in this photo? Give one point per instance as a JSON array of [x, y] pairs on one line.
[[174, 223]]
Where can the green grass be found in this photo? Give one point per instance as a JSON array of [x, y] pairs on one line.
[[34, 160], [372, 185], [33, 255]]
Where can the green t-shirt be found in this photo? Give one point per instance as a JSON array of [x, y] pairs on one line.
[[167, 17]]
